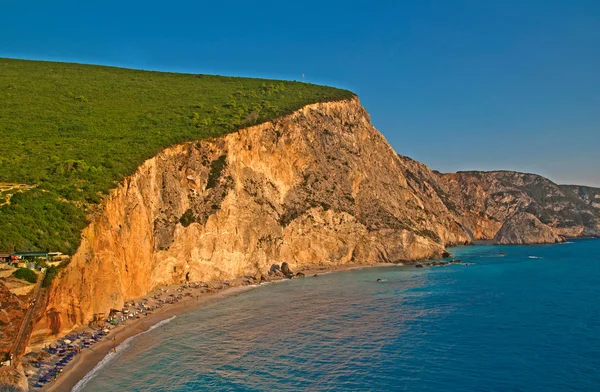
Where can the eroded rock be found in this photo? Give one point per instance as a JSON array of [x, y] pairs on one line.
[[525, 228]]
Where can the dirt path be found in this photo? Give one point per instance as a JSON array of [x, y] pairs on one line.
[[7, 189], [25, 329]]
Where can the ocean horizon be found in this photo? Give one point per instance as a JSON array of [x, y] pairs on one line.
[[507, 318]]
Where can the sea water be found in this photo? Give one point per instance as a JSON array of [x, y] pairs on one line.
[[528, 320]]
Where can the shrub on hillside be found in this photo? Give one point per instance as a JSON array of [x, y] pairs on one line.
[[26, 274], [51, 273]]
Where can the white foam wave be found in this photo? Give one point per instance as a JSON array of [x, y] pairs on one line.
[[114, 355], [281, 281], [534, 257]]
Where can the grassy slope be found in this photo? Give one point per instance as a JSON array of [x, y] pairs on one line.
[[76, 130]]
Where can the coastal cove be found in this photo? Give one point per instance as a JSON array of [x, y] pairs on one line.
[[83, 366], [513, 311]]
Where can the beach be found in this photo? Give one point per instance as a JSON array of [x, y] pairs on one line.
[[84, 362], [488, 323]]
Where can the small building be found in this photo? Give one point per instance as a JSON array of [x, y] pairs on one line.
[[30, 255], [4, 257], [57, 256]]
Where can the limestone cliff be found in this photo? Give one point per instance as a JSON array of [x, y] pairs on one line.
[[320, 186], [525, 228], [591, 197], [484, 200]]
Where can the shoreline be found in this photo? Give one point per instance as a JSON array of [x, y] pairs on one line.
[[86, 361]]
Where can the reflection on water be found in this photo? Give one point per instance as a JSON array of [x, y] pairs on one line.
[[500, 324]]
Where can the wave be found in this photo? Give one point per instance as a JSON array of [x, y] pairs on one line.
[[114, 355], [535, 257]]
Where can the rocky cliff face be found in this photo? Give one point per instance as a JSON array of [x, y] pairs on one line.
[[320, 186], [525, 228], [483, 201], [12, 311], [591, 197]]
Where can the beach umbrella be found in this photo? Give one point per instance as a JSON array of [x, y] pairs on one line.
[[67, 341], [106, 330]]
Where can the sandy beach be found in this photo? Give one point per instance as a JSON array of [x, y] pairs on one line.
[[85, 362]]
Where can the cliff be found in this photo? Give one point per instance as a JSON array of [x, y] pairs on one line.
[[591, 197], [318, 186], [484, 200], [525, 228], [12, 311]]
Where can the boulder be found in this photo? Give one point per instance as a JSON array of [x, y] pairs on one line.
[[258, 277], [275, 270], [285, 268]]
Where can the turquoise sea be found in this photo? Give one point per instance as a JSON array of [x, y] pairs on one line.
[[527, 321]]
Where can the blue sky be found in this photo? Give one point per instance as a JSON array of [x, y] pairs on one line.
[[456, 84]]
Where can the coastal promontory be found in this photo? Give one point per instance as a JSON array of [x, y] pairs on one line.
[[525, 228]]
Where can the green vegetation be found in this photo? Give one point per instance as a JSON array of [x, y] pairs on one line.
[[38, 219], [216, 167], [51, 273], [76, 130], [187, 218], [26, 274]]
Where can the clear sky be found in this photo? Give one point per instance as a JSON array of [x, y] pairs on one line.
[[456, 84]]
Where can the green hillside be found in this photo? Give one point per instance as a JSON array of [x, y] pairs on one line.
[[74, 131]]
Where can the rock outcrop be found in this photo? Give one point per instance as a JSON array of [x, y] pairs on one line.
[[591, 197], [12, 380], [482, 201], [12, 311], [525, 228]]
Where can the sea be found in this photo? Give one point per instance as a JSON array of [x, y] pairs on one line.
[[510, 318]]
